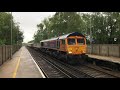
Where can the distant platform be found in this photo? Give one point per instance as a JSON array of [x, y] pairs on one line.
[[105, 58], [22, 65]]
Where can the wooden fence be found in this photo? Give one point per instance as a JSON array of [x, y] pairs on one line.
[[5, 52]]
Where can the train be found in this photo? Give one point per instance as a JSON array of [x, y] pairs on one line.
[[70, 47]]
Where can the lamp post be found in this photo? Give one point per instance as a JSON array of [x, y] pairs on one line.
[[90, 36], [17, 32], [11, 35]]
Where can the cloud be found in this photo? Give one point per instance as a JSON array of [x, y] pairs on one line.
[[28, 22]]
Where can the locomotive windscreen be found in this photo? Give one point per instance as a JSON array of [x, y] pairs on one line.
[[81, 41], [71, 41]]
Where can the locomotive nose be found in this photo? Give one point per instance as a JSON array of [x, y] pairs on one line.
[[73, 50], [76, 50]]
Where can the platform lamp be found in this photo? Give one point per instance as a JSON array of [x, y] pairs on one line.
[[11, 35]]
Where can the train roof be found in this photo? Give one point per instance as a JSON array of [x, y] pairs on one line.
[[30, 43], [65, 36], [71, 34], [49, 39]]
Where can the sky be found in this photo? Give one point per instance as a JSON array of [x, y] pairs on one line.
[[28, 22]]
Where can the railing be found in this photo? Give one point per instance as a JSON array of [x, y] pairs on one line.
[[5, 52], [104, 49]]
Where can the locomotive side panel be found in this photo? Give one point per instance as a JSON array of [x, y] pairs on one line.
[[63, 45]]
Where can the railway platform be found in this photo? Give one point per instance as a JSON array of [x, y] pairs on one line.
[[22, 65], [105, 58]]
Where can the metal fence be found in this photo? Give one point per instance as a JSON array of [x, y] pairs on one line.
[[104, 49], [5, 52]]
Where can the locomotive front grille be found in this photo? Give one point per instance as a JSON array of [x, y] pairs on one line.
[[76, 49]]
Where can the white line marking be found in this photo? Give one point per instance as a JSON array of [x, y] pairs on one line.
[[37, 66]]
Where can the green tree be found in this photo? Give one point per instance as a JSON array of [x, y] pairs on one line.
[[5, 30], [105, 26], [61, 23]]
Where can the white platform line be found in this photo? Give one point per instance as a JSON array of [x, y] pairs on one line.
[[37, 65]]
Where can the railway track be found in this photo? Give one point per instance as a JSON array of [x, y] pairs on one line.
[[96, 72], [92, 71], [49, 70], [54, 68]]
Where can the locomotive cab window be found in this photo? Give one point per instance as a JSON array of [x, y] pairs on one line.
[[42, 44], [71, 41], [63, 41], [58, 44], [80, 41]]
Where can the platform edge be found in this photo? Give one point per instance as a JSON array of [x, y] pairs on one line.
[[37, 65]]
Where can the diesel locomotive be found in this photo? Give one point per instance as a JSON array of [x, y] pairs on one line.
[[70, 47]]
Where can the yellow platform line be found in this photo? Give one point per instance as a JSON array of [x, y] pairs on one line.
[[16, 68]]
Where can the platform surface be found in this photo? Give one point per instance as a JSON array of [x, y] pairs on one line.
[[22, 65], [105, 58]]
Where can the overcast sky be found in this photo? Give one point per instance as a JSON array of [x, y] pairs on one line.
[[28, 22]]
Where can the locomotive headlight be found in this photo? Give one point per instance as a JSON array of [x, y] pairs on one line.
[[69, 52], [83, 51]]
